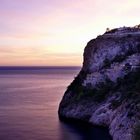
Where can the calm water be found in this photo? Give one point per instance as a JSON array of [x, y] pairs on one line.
[[29, 102]]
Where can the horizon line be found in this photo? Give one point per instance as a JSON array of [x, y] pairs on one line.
[[40, 66]]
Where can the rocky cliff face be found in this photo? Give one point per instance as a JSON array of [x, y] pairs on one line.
[[106, 92]]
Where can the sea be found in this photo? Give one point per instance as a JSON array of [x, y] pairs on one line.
[[29, 101]]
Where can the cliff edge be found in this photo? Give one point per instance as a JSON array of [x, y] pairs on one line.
[[106, 92]]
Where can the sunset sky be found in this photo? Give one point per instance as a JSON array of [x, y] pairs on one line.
[[55, 32]]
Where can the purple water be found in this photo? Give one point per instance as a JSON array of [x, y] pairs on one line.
[[29, 100]]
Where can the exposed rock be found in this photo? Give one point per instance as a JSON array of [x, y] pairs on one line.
[[106, 92]]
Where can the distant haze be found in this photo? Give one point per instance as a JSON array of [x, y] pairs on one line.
[[55, 32]]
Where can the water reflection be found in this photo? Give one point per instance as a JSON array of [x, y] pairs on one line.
[[29, 105], [82, 131]]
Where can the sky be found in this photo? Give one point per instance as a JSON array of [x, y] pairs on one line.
[[55, 32]]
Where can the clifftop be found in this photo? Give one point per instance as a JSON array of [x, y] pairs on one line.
[[106, 92], [124, 30]]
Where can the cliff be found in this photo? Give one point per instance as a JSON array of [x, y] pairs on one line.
[[106, 92]]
